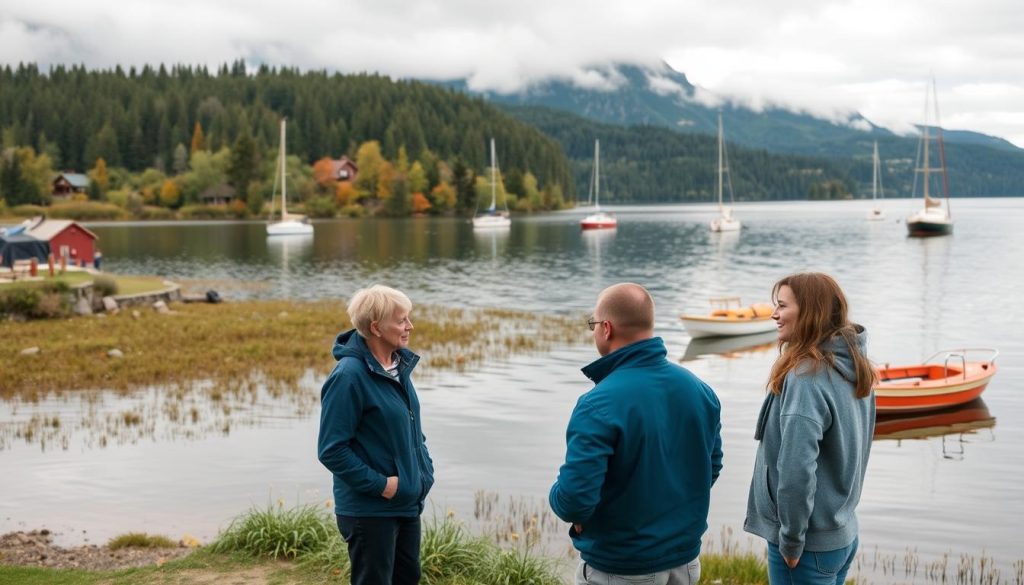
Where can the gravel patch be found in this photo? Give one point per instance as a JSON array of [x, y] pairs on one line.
[[36, 549]]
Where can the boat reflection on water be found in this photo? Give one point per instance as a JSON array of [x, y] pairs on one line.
[[730, 347], [953, 425]]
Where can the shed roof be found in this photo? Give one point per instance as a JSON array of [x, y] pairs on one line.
[[76, 180], [48, 228]]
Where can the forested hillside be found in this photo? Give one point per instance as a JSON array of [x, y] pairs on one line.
[[654, 164], [153, 117]]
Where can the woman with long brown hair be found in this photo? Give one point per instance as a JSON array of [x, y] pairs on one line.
[[814, 434]]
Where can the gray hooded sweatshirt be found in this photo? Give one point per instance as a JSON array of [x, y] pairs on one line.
[[815, 438]]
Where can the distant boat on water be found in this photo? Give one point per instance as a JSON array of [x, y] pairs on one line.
[[599, 219], [725, 222], [933, 220], [290, 224], [876, 213], [491, 218]]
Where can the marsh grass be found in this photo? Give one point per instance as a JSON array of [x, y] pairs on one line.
[[140, 540], [277, 532], [231, 343], [449, 554]]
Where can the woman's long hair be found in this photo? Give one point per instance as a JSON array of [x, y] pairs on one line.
[[822, 314]]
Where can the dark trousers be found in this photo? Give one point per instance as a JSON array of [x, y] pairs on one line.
[[382, 551]]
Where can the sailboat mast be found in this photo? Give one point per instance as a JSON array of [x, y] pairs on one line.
[[494, 180], [925, 168], [874, 174], [597, 173], [284, 181], [721, 149]]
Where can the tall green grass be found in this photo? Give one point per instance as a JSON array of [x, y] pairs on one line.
[[449, 555], [277, 532]]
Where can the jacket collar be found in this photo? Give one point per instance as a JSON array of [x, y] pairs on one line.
[[351, 344], [648, 351]]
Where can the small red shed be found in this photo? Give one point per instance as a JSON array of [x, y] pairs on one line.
[[67, 239]]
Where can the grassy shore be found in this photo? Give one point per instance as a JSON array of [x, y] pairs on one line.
[[228, 346], [302, 545]]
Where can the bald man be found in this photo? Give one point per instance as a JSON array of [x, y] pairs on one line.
[[644, 447]]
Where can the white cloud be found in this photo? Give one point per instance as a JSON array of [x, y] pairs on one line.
[[828, 57]]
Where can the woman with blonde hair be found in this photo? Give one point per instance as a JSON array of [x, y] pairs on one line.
[[372, 442], [814, 434]]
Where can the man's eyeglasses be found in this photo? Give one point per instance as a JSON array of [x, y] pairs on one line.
[[592, 323]]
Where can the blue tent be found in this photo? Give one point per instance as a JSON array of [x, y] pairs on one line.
[[22, 247]]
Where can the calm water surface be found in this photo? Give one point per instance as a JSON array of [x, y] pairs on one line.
[[501, 427]]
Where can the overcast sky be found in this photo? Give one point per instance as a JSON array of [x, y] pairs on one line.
[[827, 57]]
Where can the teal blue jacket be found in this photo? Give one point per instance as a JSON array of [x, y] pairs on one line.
[[644, 447], [370, 430], [815, 439]]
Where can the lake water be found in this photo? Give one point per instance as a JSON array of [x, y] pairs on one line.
[[500, 428]]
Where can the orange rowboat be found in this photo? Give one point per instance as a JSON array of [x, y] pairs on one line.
[[934, 384]]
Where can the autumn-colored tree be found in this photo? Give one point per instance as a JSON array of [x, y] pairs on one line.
[[385, 178], [99, 179], [237, 208], [420, 204], [369, 160], [149, 195], [170, 195], [418, 182], [198, 140], [402, 165], [443, 196], [345, 194], [29, 176], [322, 172], [531, 195]]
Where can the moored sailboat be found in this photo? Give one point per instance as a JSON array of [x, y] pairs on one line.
[[599, 219], [290, 224], [933, 220], [725, 222], [491, 218], [876, 213]]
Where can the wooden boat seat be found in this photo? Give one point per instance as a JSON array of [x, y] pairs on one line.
[[756, 311]]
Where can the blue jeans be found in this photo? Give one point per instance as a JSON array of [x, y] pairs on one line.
[[814, 568], [688, 574], [382, 551]]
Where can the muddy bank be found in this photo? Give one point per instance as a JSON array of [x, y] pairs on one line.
[[36, 549]]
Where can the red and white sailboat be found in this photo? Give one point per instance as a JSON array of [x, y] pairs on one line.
[[599, 219]]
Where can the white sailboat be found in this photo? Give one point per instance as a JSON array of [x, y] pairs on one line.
[[933, 220], [290, 224], [491, 218], [599, 219], [725, 222], [876, 213]]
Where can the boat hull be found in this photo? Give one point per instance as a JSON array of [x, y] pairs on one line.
[[698, 326], [722, 224], [599, 221], [925, 387], [932, 221], [927, 229], [492, 222], [289, 228]]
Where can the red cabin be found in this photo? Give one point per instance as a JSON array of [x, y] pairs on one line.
[[67, 239]]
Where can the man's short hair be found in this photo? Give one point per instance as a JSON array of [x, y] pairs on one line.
[[375, 303]]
